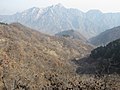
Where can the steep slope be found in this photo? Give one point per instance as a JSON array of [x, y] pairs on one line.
[[108, 57], [102, 60], [57, 18], [106, 37], [104, 64], [71, 34], [30, 60]]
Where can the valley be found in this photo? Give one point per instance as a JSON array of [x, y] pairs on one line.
[[30, 59], [59, 48]]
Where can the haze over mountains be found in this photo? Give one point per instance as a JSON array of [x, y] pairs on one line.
[[30, 60], [57, 18], [53, 48], [50, 49], [106, 36]]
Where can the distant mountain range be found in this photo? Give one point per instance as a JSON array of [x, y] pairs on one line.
[[57, 18], [106, 36]]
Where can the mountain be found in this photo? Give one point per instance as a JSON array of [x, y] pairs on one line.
[[57, 18], [71, 34], [108, 57], [102, 64], [102, 60], [30, 60], [106, 36]]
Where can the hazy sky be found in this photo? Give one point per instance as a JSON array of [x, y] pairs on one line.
[[12, 6]]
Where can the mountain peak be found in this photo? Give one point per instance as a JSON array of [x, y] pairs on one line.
[[59, 5], [33, 9], [94, 11]]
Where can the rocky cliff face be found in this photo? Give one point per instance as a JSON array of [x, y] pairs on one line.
[[57, 18], [30, 60]]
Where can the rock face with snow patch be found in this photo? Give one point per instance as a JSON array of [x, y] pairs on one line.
[[57, 18]]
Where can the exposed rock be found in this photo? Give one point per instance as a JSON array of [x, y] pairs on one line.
[[57, 18]]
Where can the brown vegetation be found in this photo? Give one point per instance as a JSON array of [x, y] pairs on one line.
[[30, 60]]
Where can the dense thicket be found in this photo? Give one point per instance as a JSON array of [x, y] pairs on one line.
[[108, 56]]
